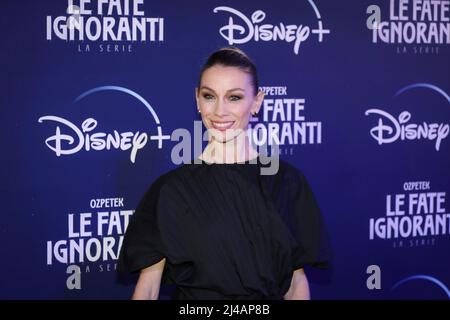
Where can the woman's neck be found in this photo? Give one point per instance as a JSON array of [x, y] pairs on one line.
[[235, 150]]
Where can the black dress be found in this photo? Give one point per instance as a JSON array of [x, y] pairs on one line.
[[226, 231]]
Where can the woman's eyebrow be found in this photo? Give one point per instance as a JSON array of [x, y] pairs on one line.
[[207, 88], [234, 89]]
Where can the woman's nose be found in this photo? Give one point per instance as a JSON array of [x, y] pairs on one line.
[[220, 108]]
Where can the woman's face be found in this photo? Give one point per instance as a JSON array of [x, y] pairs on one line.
[[226, 101]]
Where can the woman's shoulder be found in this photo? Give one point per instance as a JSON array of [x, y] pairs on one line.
[[169, 177], [171, 180], [289, 168], [286, 170], [164, 187]]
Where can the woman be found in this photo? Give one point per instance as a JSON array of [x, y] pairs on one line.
[[218, 228]]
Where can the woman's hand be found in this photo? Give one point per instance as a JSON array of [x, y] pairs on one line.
[[299, 289]]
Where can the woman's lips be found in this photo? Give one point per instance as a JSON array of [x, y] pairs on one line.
[[222, 125]]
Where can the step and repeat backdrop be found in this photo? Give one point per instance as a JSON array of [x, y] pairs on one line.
[[96, 96]]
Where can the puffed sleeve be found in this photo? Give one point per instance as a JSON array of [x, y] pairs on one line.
[[160, 228], [308, 228], [152, 231], [142, 244]]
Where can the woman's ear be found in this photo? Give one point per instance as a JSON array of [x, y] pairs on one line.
[[258, 101], [196, 98]]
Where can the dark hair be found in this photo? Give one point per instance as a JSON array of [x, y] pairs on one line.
[[232, 57]]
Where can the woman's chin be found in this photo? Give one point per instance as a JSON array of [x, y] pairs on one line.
[[225, 135]]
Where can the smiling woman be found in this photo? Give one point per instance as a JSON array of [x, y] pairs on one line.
[[219, 227], [227, 95]]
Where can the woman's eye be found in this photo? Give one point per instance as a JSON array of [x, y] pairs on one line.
[[207, 96], [235, 98]]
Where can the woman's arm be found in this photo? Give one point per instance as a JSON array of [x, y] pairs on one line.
[[147, 287], [299, 289]]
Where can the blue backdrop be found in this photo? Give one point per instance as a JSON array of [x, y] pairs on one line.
[[357, 93]]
